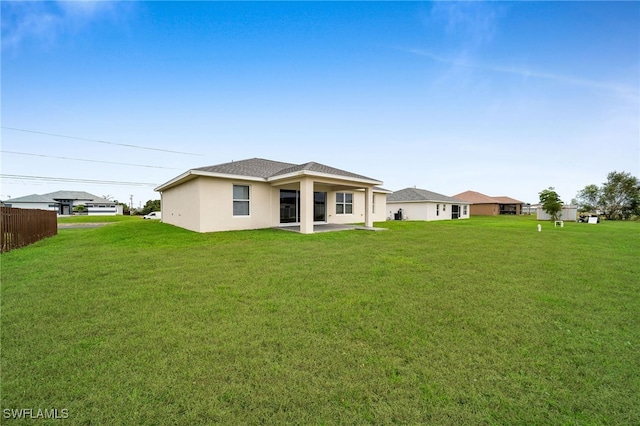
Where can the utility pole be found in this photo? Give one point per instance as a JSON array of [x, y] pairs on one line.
[[131, 202]]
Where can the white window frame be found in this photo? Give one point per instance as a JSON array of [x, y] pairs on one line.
[[344, 203], [241, 200]]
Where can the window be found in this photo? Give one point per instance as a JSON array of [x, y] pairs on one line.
[[373, 203], [437, 209], [241, 200], [344, 203], [464, 210], [444, 207]]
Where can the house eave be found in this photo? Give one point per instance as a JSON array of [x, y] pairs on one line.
[[303, 173], [427, 201]]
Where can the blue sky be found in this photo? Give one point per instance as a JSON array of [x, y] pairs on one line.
[[503, 98]]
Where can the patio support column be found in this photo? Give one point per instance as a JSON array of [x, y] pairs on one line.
[[368, 207], [306, 206]]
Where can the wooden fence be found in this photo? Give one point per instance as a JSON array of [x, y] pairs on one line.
[[21, 227]]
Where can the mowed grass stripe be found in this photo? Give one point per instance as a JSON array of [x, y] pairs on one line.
[[478, 321]]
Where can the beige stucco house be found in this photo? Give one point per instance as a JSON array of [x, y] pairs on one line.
[[420, 204], [258, 193]]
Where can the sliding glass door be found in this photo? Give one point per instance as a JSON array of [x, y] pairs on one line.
[[290, 206], [319, 206]]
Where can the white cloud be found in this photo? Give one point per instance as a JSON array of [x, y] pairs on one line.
[[472, 23], [630, 93], [45, 21]]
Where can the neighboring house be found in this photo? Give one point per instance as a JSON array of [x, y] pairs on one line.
[[63, 203], [420, 204], [568, 213], [258, 193], [484, 205]]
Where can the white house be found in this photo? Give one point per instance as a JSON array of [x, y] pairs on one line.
[[420, 204], [63, 203], [258, 193]]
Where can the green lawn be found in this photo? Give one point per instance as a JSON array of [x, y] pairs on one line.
[[480, 321]]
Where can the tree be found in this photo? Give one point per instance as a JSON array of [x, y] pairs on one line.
[[617, 198], [620, 195], [551, 203], [125, 207], [588, 199], [151, 206]]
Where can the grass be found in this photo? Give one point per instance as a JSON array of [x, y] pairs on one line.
[[481, 321]]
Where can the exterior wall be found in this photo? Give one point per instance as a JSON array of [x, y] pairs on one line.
[[425, 210], [380, 206], [568, 213], [181, 205], [205, 204], [102, 210], [216, 205], [39, 206], [485, 209]]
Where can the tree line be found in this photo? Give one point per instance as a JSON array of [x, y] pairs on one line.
[[617, 199]]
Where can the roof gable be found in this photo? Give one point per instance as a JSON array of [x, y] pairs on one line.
[[254, 167], [474, 197], [319, 168], [507, 200]]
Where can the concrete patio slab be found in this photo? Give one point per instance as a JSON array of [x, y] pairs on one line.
[[331, 227]]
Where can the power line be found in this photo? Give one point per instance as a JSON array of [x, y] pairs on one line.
[[72, 180], [91, 161], [99, 141]]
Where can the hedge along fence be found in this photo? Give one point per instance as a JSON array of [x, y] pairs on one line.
[[21, 227]]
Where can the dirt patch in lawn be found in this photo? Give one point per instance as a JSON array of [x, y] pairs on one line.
[[82, 225]]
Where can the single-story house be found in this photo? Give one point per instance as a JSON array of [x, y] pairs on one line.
[[63, 203], [258, 193], [420, 204], [484, 205]]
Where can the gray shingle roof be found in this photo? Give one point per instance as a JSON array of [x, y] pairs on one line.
[[52, 197], [255, 167], [320, 168], [416, 194], [77, 195], [33, 198], [259, 167]]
